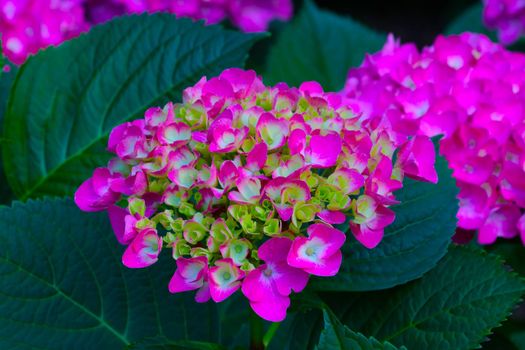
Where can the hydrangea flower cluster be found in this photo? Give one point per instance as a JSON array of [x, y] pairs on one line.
[[507, 17], [247, 184], [472, 92], [30, 25]]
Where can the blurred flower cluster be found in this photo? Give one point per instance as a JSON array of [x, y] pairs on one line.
[[30, 25], [507, 17], [253, 187], [472, 92]]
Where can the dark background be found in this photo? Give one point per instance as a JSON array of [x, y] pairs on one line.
[[417, 21]]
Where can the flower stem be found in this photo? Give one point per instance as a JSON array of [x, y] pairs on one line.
[[256, 332], [268, 336]]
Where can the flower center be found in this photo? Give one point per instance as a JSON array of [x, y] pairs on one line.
[[268, 272], [310, 251], [226, 276]]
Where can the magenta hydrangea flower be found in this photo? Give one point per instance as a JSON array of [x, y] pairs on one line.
[[505, 16], [247, 181], [30, 25], [471, 91]]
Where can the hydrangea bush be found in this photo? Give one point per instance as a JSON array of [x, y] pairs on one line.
[[157, 191]]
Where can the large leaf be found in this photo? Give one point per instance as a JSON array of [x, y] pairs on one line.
[[320, 46], [412, 245], [63, 286], [65, 100], [337, 336], [454, 306]]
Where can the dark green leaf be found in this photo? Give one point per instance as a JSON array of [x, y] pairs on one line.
[[412, 245], [300, 330], [6, 80], [454, 306], [337, 336], [66, 100], [320, 46], [63, 286]]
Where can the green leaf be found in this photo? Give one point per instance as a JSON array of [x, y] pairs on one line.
[[300, 330], [320, 46], [470, 21], [412, 245], [454, 306], [6, 80], [63, 286], [66, 100], [337, 336], [162, 343]]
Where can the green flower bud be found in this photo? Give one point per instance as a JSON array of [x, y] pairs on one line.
[[248, 224], [164, 218], [324, 193], [137, 206], [272, 227], [304, 212], [180, 248], [199, 251], [144, 223], [339, 201], [194, 231], [177, 225], [237, 211], [220, 231], [187, 209]]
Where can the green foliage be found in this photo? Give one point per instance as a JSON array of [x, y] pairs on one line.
[[161, 343], [412, 245], [63, 286], [6, 80], [470, 21], [454, 306], [66, 100], [337, 336], [320, 46]]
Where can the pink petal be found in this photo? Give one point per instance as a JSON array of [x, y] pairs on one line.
[[116, 218], [273, 308], [144, 250], [332, 217], [473, 208], [256, 159], [323, 151], [190, 274], [273, 131], [417, 158], [367, 237], [501, 222]]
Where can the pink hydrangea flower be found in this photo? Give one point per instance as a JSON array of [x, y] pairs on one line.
[[144, 250], [471, 91], [245, 181], [30, 25], [505, 16], [268, 287], [318, 254]]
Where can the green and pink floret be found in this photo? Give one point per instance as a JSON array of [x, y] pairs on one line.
[[247, 184]]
